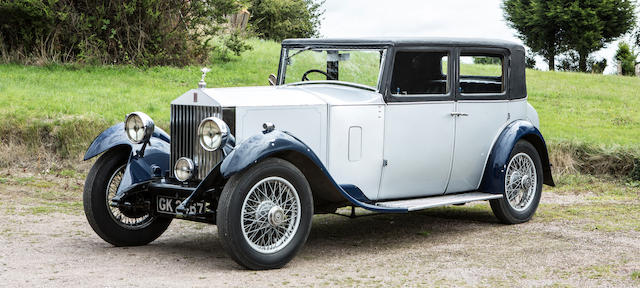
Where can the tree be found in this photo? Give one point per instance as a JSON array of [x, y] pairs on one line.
[[537, 26], [552, 27], [627, 58], [280, 19], [487, 60], [590, 24], [530, 61]]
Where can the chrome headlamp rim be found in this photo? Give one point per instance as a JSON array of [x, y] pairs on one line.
[[190, 168], [147, 126], [223, 131]]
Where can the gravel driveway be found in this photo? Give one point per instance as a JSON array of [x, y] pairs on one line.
[[45, 241]]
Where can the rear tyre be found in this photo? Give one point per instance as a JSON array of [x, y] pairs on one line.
[[128, 227], [264, 214], [522, 187]]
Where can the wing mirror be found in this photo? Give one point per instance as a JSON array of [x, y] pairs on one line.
[[272, 80]]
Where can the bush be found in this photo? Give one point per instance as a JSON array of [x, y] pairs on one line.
[[597, 67], [230, 44], [570, 62], [144, 32], [627, 58], [280, 19]]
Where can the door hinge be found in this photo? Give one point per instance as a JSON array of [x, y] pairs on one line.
[[385, 162]]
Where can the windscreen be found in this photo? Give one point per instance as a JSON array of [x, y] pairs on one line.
[[357, 66]]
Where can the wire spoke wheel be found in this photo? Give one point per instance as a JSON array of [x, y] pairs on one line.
[[125, 219], [270, 215], [520, 182]]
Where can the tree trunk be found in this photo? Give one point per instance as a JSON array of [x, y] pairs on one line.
[[552, 62], [583, 61]]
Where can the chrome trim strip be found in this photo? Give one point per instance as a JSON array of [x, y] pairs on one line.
[[436, 201]]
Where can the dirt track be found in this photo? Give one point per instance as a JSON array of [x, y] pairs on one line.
[[52, 245]]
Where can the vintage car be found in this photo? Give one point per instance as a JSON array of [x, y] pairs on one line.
[[388, 125]]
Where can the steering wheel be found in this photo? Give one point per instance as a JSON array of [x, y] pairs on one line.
[[305, 78]]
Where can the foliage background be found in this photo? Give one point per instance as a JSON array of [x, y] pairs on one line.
[[280, 19], [144, 32], [579, 27]]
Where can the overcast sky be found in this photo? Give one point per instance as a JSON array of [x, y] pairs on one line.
[[415, 18]]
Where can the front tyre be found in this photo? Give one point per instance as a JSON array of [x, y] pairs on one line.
[[120, 227], [522, 187], [264, 214]]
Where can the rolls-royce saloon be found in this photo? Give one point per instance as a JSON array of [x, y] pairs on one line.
[[388, 125]]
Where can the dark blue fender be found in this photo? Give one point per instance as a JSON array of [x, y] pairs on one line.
[[139, 169], [493, 178], [282, 144]]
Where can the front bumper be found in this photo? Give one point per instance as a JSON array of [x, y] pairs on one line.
[[152, 190]]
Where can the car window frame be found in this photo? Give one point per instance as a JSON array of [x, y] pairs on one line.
[[284, 49], [389, 97], [483, 51]]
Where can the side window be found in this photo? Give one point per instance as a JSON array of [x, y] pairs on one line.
[[481, 74], [420, 73]]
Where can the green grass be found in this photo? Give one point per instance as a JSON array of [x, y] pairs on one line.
[[66, 106], [108, 92], [596, 109]]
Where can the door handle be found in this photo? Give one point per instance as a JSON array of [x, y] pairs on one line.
[[459, 114]]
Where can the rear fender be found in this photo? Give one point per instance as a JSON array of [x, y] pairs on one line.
[[494, 173]]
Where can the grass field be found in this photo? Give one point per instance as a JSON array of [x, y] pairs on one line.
[[71, 102]]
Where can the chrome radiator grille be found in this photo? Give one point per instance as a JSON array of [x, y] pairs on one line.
[[184, 137]]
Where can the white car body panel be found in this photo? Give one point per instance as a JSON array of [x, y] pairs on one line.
[[308, 123], [293, 95], [531, 114], [262, 96], [356, 145], [418, 145], [474, 137]]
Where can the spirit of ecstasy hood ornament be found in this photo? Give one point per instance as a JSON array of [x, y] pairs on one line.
[[203, 84]]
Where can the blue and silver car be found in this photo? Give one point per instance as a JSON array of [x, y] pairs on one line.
[[391, 126]]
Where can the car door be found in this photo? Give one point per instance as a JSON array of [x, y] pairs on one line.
[[419, 128], [481, 113]]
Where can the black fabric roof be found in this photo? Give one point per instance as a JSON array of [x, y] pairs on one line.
[[399, 42]]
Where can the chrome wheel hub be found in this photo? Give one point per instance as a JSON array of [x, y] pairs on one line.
[[520, 182], [526, 182], [270, 215], [276, 216]]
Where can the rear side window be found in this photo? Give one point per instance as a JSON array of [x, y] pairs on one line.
[[481, 74], [420, 73]]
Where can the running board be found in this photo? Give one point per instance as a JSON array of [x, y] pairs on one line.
[[436, 201]]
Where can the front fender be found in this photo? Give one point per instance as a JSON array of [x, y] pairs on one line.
[[139, 169], [261, 146], [114, 136], [494, 177]]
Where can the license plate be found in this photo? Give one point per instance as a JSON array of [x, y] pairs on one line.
[[168, 205]]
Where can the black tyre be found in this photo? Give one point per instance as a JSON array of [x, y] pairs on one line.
[[129, 227], [264, 214], [523, 185]]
